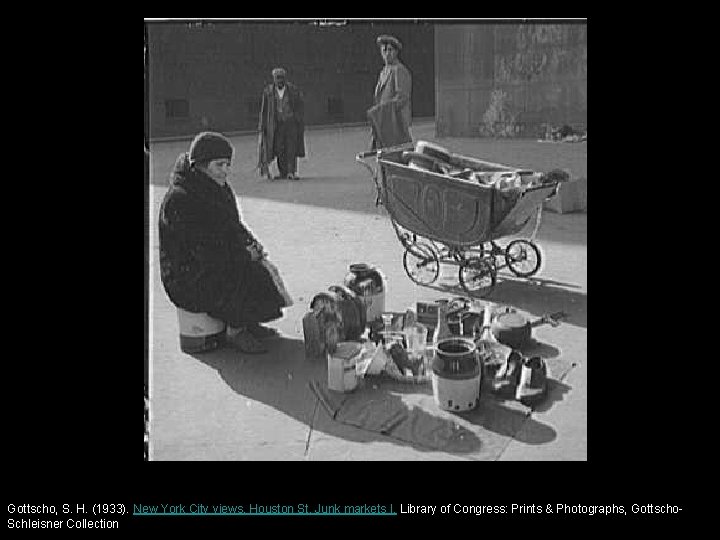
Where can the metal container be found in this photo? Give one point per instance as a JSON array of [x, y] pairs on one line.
[[427, 314], [367, 283], [464, 321], [342, 374], [322, 326], [456, 374], [512, 329]]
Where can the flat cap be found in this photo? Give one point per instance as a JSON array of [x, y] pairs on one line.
[[385, 38]]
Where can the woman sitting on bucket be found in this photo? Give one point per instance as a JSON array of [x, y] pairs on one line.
[[209, 261]]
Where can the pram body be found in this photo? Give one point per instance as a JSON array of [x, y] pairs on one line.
[[448, 216]]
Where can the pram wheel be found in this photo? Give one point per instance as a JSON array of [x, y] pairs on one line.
[[523, 258], [421, 263], [478, 275]]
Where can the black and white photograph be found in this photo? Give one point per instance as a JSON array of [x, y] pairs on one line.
[[366, 240]]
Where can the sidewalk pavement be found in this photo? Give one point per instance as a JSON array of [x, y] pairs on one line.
[[229, 406]]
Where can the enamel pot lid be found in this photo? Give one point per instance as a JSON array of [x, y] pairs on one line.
[[510, 320]]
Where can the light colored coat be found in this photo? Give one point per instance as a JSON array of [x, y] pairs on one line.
[[395, 84]]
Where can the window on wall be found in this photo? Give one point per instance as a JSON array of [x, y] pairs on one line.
[[177, 108]]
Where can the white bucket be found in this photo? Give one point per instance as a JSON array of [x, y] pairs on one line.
[[342, 375], [199, 332]]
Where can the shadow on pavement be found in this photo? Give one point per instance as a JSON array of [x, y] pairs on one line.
[[345, 193], [542, 299], [280, 380], [537, 299], [537, 348], [556, 392]]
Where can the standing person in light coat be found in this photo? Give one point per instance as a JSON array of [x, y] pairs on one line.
[[392, 113]]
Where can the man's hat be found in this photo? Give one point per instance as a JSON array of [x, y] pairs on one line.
[[385, 38]]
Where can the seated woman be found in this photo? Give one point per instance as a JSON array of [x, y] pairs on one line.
[[209, 261]]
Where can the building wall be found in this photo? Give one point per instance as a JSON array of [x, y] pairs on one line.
[[211, 75], [510, 79]]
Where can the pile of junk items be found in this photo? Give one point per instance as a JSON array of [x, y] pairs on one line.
[[458, 345], [452, 209]]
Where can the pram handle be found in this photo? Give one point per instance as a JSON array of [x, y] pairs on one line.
[[377, 153], [371, 153]]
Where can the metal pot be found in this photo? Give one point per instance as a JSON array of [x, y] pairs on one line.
[[511, 329], [514, 330]]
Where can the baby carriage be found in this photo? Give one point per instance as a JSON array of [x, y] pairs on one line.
[[452, 209]]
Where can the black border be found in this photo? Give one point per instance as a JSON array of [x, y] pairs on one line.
[[81, 438]]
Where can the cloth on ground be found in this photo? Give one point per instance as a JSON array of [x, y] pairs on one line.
[[409, 413]]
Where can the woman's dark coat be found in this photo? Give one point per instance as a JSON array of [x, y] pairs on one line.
[[204, 264]]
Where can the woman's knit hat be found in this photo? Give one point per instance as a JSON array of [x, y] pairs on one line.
[[208, 145]]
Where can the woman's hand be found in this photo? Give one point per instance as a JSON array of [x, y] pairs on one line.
[[256, 251], [254, 254]]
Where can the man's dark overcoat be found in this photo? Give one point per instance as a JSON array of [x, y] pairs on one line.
[[266, 125]]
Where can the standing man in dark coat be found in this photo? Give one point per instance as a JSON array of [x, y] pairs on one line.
[[282, 127]]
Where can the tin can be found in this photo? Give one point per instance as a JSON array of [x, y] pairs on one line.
[[342, 374]]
